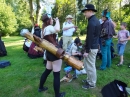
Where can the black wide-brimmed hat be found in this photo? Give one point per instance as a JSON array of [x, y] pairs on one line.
[[89, 7]]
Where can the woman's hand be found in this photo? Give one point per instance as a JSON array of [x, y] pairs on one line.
[[56, 19]]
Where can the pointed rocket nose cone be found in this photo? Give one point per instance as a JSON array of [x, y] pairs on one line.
[[23, 32]]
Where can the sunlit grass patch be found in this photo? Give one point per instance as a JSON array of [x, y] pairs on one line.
[[21, 79]]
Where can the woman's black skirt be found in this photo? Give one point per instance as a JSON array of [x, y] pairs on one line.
[[51, 57]]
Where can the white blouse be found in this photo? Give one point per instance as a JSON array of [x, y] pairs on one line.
[[49, 30]]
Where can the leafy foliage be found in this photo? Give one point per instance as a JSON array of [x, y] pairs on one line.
[[8, 22], [22, 15], [21, 10], [126, 9], [17, 14], [63, 8]]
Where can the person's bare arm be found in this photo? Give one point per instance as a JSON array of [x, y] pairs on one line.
[[57, 25], [129, 38], [115, 36]]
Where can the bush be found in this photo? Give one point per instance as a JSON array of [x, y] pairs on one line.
[[127, 20], [8, 23], [23, 22]]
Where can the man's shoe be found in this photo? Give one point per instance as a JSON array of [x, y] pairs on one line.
[[62, 94], [84, 81], [43, 89], [87, 86]]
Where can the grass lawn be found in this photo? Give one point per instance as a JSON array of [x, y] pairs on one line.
[[21, 79]]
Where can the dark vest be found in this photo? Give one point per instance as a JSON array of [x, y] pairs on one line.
[[51, 38]]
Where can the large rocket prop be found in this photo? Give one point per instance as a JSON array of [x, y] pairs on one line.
[[58, 52]]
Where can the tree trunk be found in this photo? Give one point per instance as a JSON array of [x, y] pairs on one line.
[[31, 12], [75, 12], [98, 10], [87, 1], [120, 11], [38, 10]]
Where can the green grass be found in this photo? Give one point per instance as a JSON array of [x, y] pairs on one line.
[[21, 79]]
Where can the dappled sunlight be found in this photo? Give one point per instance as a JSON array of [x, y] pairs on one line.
[[15, 43], [81, 37]]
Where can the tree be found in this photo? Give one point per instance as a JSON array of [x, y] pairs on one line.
[[31, 11], [81, 20], [126, 18], [120, 11], [21, 10], [8, 23], [37, 11], [38, 7], [62, 9]]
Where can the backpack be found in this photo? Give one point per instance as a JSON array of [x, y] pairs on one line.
[[26, 45], [32, 53], [115, 88], [37, 31], [3, 51], [4, 64]]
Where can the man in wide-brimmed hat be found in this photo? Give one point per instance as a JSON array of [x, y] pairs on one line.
[[68, 30], [91, 46]]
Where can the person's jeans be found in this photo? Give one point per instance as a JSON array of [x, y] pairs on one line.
[[106, 54], [121, 49]]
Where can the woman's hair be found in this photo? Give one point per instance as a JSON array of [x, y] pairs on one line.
[[105, 13], [77, 40], [46, 21]]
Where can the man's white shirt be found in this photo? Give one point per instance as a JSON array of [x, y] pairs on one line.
[[70, 31]]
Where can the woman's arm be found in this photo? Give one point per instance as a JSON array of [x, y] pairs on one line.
[[57, 25]]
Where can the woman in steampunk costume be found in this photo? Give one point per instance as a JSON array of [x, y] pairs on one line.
[[107, 32], [53, 63]]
